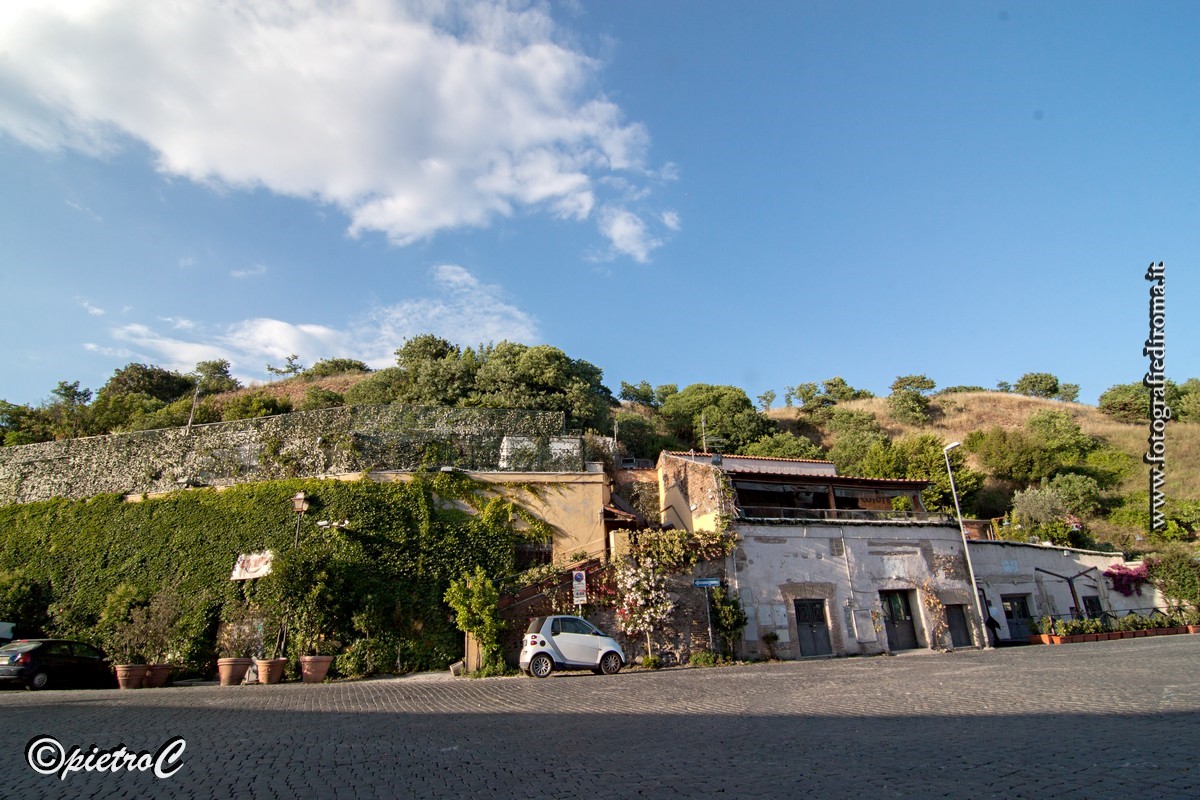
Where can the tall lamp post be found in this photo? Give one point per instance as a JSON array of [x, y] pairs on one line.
[[299, 505], [962, 531]]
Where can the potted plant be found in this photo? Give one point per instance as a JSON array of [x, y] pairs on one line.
[[236, 639], [122, 636], [1040, 630], [313, 643], [156, 624]]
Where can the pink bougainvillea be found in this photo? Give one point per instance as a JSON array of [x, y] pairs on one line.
[[1127, 580]]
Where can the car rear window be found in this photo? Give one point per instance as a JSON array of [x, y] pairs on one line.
[[18, 647], [535, 625]]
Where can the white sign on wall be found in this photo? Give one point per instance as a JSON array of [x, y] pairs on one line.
[[579, 586], [252, 565]]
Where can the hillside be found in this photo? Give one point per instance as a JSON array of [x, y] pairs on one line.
[[958, 414]]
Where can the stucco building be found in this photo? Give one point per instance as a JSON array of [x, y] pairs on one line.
[[826, 564], [1019, 582]]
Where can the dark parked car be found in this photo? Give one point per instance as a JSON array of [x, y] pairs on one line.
[[54, 663]]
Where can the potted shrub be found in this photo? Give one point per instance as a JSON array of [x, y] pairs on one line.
[[236, 640], [156, 624], [1059, 634], [122, 637], [313, 643], [1040, 630]]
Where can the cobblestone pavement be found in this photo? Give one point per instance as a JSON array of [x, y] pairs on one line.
[[1097, 720]]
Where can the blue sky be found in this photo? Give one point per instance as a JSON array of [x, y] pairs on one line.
[[758, 194]]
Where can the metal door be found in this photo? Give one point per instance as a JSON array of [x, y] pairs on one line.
[[1016, 614], [898, 621], [812, 630], [956, 620]]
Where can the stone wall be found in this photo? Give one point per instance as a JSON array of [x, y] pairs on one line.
[[302, 444], [686, 632]]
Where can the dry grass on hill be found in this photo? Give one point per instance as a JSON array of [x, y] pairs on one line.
[[956, 415]]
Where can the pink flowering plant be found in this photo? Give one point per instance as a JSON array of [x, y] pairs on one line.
[[642, 600], [1127, 580]]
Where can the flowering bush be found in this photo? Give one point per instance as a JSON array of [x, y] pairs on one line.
[[642, 602], [1127, 580]]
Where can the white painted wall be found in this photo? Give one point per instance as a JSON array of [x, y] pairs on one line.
[[1008, 568], [847, 566]]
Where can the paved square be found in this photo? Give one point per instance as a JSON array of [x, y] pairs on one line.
[[1098, 720]]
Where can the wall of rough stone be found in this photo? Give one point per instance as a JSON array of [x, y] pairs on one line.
[[302, 444], [686, 632]]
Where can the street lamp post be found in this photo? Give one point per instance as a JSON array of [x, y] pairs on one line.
[[962, 532], [299, 505]]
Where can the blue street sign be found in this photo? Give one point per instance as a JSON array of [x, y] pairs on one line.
[[706, 583]]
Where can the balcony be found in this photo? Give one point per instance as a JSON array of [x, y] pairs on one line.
[[840, 514]]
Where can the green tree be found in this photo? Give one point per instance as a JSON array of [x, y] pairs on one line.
[[922, 457], [1080, 494], [907, 402], [783, 445], [255, 404], [67, 411], [543, 378], [642, 437], [765, 399], [214, 378], [642, 393], [839, 391], [855, 432], [154, 382], [1037, 384], [317, 398], [476, 605], [1068, 392], [725, 412], [328, 367]]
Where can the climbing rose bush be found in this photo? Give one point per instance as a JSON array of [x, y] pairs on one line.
[[642, 601]]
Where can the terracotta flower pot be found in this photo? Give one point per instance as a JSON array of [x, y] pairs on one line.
[[156, 676], [314, 668], [270, 670], [131, 676], [232, 671], [1055, 639], [1193, 628]]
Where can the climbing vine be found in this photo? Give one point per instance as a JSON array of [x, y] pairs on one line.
[[383, 577]]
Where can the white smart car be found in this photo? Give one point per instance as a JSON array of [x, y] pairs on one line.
[[567, 642]]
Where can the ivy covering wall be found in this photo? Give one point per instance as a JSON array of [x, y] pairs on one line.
[[309, 443], [378, 584]]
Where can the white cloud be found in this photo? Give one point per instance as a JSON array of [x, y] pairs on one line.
[[627, 234], [91, 309], [461, 309], [253, 272], [670, 219], [467, 312], [111, 352], [411, 117]]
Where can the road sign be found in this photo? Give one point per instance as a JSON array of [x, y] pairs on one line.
[[706, 583], [579, 586]]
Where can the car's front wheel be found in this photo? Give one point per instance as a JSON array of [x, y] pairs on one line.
[[610, 664], [541, 666], [40, 680]]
